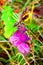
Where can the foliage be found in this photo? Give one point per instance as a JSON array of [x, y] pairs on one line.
[[9, 54], [9, 19]]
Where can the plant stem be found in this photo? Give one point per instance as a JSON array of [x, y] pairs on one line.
[[7, 53]]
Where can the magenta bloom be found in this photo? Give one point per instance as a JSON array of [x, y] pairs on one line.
[[19, 39], [23, 48]]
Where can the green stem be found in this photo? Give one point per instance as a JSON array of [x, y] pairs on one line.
[[7, 53], [2, 59], [28, 1]]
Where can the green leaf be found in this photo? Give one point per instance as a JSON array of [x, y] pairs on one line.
[[9, 19], [2, 38], [32, 26]]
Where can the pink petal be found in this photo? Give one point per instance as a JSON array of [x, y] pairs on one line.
[[20, 48], [23, 48], [14, 40], [24, 37]]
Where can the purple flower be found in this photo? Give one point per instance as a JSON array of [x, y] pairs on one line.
[[22, 28], [19, 39], [23, 48]]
